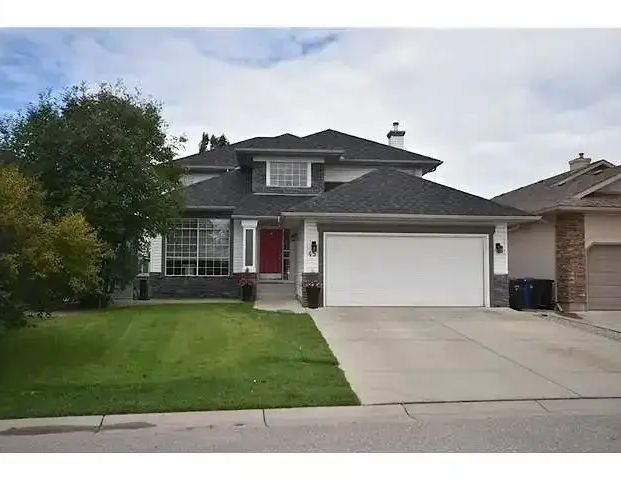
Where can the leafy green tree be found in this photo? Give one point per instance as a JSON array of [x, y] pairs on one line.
[[105, 153], [43, 261]]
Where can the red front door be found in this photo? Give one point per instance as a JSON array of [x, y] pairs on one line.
[[270, 251]]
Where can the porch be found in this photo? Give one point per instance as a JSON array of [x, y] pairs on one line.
[[274, 253]]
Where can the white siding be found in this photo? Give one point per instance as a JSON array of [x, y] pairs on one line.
[[299, 259], [190, 178], [340, 173], [601, 228], [155, 260], [311, 234], [347, 173], [501, 260], [238, 254], [532, 250]]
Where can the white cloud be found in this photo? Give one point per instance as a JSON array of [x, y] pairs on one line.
[[500, 108]]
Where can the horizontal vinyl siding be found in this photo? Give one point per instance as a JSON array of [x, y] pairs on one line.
[[155, 260], [238, 254], [532, 250]]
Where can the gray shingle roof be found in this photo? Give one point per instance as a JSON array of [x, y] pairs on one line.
[[391, 191], [286, 141], [354, 148], [267, 205], [224, 190], [224, 157], [363, 149], [234, 189], [558, 190]]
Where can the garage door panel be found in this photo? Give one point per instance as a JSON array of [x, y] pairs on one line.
[[404, 270], [604, 277]]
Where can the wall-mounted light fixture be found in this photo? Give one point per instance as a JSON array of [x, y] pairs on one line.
[[499, 248], [313, 250]]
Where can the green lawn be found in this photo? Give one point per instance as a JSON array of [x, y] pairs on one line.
[[167, 358]]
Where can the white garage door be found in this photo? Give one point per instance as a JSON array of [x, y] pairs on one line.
[[366, 269]]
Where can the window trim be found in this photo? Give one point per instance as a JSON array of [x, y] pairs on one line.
[[268, 182], [246, 227], [226, 221]]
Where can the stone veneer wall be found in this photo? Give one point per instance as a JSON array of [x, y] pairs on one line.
[[259, 186], [500, 291], [570, 261], [162, 286], [308, 277]]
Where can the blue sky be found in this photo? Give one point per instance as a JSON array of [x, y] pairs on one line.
[[499, 107]]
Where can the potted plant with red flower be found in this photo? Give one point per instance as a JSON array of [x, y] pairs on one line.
[[313, 289], [246, 285]]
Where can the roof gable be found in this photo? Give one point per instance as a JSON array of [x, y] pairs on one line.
[[561, 189]]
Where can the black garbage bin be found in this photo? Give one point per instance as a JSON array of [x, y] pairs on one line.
[[143, 288], [531, 294]]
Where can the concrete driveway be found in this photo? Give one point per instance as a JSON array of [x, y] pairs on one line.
[[446, 354], [610, 320]]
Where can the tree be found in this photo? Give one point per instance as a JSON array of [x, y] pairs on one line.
[[203, 145], [212, 143], [105, 153], [43, 261], [218, 142]]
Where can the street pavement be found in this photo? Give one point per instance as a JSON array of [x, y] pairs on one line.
[[564, 425]]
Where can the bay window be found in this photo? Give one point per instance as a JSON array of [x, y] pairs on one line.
[[198, 246]]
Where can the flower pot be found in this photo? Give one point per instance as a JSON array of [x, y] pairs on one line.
[[312, 297], [247, 293]]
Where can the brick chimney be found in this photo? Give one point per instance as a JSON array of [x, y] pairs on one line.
[[579, 162], [395, 136]]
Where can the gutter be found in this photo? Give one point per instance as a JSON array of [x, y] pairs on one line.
[[431, 218], [580, 209], [209, 207], [259, 217], [290, 150], [209, 168]]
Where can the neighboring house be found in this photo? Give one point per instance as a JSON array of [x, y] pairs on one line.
[[352, 213], [578, 240]]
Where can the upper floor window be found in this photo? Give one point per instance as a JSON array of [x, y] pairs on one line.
[[288, 174]]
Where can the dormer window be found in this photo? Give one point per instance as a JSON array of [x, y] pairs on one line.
[[287, 173]]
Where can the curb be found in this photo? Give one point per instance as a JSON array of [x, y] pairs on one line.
[[299, 416]]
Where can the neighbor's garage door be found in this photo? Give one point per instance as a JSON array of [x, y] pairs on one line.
[[365, 269], [604, 277]]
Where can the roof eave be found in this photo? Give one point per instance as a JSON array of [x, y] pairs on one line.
[[210, 207], [577, 209], [293, 151], [209, 168], [416, 217]]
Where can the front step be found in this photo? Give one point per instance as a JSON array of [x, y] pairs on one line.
[[274, 291]]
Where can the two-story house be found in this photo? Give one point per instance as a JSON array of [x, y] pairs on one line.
[[354, 214]]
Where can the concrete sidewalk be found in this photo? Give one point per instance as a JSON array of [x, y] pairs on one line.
[[309, 416]]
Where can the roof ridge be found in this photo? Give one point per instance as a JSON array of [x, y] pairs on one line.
[[371, 141]]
